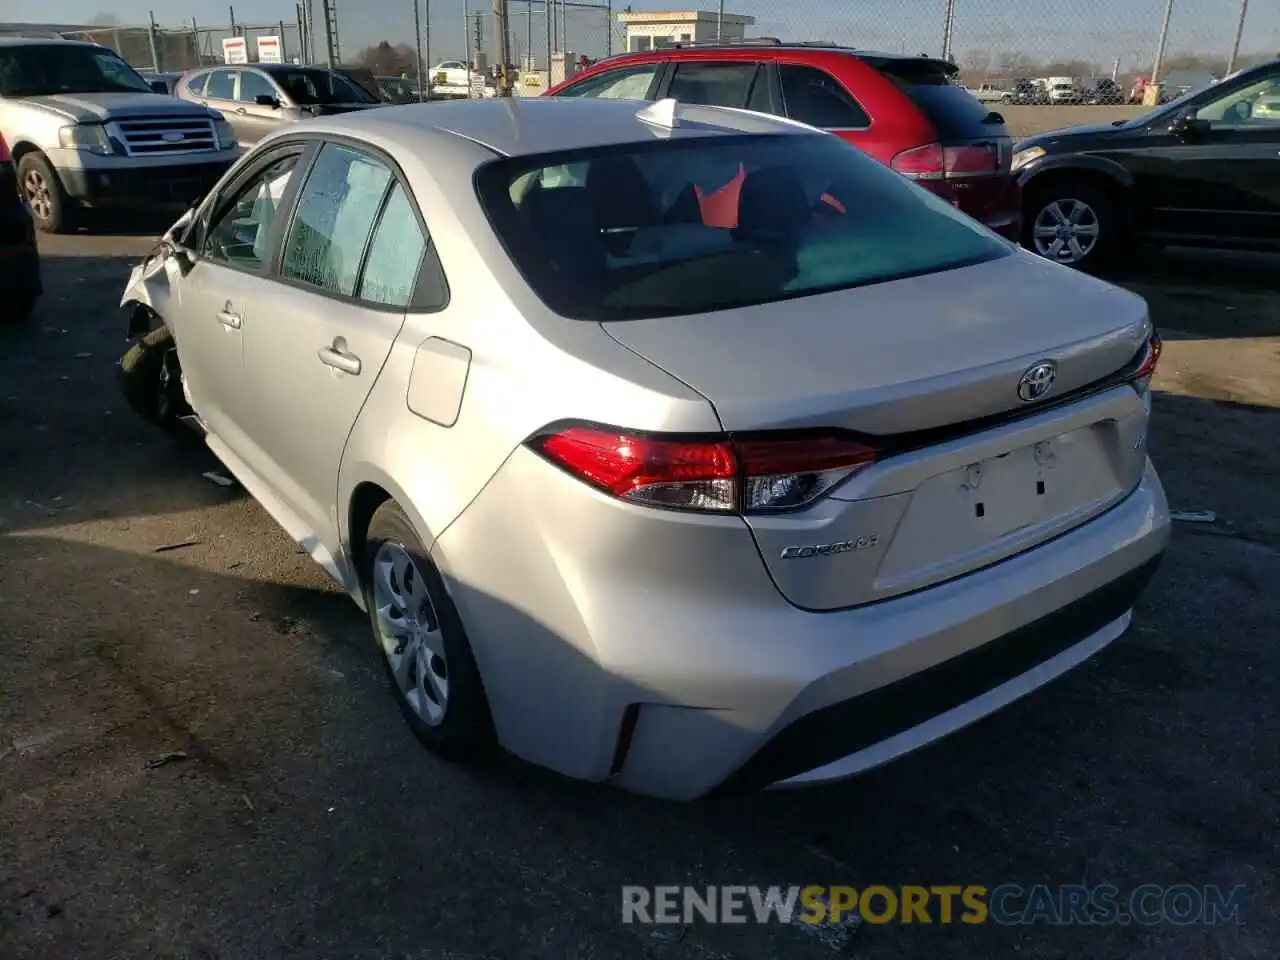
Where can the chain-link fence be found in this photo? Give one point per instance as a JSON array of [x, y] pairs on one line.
[[996, 42], [164, 49]]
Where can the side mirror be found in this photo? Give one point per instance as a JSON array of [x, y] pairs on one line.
[[1186, 126], [267, 100]]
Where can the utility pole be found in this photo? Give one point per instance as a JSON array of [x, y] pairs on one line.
[[500, 17], [1164, 40], [948, 29], [1235, 47], [417, 48], [152, 32], [720, 22]]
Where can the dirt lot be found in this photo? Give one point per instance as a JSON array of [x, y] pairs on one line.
[[145, 610], [1026, 121]]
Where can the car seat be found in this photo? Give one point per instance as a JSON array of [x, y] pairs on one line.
[[621, 200], [563, 224], [773, 202]]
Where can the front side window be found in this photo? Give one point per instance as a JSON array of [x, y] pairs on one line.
[[693, 225], [239, 236], [253, 86], [1256, 104], [625, 83], [46, 69], [336, 211]]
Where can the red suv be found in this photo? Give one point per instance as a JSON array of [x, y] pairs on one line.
[[905, 111]]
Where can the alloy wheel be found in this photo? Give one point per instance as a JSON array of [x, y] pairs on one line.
[[409, 631], [1066, 230], [36, 190]]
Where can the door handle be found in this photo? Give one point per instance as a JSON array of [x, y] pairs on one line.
[[229, 319], [242, 111], [337, 357]]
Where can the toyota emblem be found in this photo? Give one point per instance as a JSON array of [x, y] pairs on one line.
[[1036, 381]]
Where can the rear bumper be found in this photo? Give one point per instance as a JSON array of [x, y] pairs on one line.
[[627, 647]]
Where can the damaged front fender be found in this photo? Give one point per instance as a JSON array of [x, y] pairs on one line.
[[153, 283]]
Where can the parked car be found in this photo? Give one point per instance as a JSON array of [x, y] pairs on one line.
[[675, 446], [453, 77], [258, 98], [19, 258], [1063, 91], [992, 93], [1104, 92], [1198, 171], [86, 130], [1029, 93], [399, 89], [906, 111], [162, 82]]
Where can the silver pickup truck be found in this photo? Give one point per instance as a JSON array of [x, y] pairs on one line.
[[86, 129]]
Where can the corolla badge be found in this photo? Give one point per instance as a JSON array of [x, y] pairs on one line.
[[1037, 380]]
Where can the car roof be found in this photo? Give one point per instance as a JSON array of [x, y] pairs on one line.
[[523, 126], [47, 42]]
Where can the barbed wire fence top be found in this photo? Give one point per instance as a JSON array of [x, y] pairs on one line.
[[991, 40]]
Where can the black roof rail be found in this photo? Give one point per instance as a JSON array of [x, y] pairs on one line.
[[738, 42]]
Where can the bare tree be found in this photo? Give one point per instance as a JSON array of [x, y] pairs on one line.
[[104, 20]]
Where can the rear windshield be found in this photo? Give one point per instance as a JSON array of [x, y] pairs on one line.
[[711, 223], [954, 112]]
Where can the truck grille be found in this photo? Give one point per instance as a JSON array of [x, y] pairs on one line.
[[166, 136]]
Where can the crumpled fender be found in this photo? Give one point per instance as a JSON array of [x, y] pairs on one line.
[[152, 283]]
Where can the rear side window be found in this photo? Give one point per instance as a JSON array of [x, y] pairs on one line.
[[196, 84], [336, 210], [219, 86], [395, 254], [712, 84], [954, 112], [687, 226], [814, 97], [625, 83]]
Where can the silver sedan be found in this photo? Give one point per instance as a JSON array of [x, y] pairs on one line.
[[679, 447]]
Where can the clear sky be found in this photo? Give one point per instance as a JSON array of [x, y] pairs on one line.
[[1098, 30]]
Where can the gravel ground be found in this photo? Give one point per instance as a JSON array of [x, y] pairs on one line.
[[1027, 121], [146, 611]]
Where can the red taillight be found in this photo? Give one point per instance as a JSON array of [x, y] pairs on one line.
[[1147, 365], [920, 163], [5, 155], [717, 474], [934, 161]]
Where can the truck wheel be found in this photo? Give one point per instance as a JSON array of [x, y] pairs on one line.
[[151, 380], [42, 189]]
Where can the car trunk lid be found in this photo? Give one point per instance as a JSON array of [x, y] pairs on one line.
[[927, 370]]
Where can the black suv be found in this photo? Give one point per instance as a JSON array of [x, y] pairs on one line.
[[19, 261], [1202, 170]]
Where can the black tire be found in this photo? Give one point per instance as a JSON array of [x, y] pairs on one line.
[[19, 308], [151, 380], [466, 733], [51, 208], [1108, 219]]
